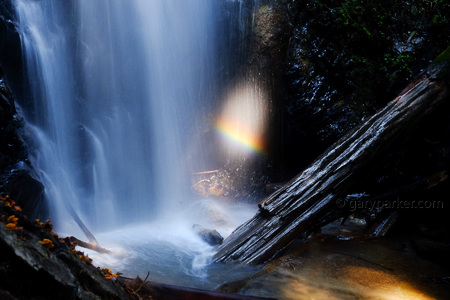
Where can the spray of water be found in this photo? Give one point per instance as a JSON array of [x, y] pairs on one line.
[[116, 86], [116, 89]]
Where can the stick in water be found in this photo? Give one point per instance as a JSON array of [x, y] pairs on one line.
[[80, 223]]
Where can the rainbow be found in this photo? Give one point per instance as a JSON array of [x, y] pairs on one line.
[[240, 135]]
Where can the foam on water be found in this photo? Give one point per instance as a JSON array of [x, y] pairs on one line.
[[171, 251]]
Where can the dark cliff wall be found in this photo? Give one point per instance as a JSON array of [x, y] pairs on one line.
[[347, 59], [18, 176], [10, 50]]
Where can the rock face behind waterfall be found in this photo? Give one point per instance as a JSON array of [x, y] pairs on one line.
[[17, 174]]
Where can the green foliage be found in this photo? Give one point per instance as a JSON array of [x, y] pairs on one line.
[[443, 60], [443, 57], [398, 63], [349, 57], [263, 9], [352, 14], [367, 44]]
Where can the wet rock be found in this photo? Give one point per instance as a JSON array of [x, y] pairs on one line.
[[11, 148], [351, 269], [211, 236], [238, 183], [36, 264], [346, 60], [18, 176], [25, 186], [10, 49]]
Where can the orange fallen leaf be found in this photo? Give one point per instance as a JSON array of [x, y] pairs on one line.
[[47, 243], [13, 219], [11, 225]]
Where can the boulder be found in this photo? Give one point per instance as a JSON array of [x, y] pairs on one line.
[[211, 236]]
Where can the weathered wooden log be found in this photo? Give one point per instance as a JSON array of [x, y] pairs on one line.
[[383, 223], [316, 195]]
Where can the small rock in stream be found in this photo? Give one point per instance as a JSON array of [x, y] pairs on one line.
[[211, 236]]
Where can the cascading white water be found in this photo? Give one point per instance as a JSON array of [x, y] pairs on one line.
[[116, 87]]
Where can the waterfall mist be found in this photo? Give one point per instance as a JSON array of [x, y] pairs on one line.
[[125, 98], [117, 86]]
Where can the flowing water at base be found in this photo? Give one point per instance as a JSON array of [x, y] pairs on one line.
[[171, 252], [381, 269], [118, 90], [179, 258]]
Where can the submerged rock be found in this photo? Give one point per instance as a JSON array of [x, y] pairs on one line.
[[211, 236]]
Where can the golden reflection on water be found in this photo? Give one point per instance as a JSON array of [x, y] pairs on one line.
[[377, 284], [353, 282]]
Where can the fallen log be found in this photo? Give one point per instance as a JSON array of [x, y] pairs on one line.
[[314, 198], [382, 224]]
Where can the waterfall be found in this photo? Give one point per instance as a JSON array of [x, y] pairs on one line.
[[116, 89], [131, 100]]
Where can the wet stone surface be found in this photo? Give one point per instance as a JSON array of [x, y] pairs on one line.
[[372, 269]]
